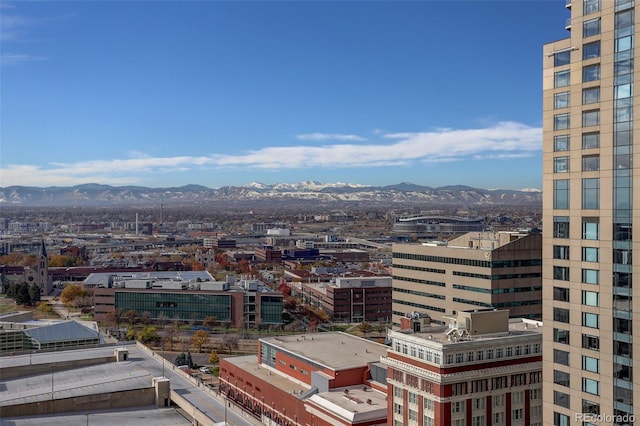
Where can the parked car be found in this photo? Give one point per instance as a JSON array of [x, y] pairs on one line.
[[205, 370]]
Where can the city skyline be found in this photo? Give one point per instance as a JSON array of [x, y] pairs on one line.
[[164, 94]]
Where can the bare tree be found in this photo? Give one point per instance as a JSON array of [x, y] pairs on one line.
[[230, 341]]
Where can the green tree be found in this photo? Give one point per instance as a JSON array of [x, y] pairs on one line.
[[214, 358], [148, 334], [22, 296], [34, 294]]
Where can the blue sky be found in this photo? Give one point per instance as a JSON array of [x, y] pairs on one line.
[[164, 93]]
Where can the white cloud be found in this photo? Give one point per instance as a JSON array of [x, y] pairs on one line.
[[504, 140], [329, 136], [16, 58]]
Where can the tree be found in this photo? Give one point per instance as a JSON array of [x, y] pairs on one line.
[[214, 358], [131, 316], [34, 294], [145, 318], [115, 318], [148, 334], [210, 322], [22, 296], [71, 293], [230, 341], [181, 359], [162, 319], [199, 338], [365, 328], [380, 327], [171, 333], [45, 308]]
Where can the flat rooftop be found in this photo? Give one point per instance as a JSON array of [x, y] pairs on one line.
[[439, 334], [335, 350], [250, 364], [353, 403], [128, 417]]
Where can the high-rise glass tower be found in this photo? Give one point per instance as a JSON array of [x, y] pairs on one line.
[[591, 349]]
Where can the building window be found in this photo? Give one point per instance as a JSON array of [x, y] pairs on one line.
[[590, 342], [590, 364], [561, 315], [478, 403], [561, 100], [590, 140], [561, 294], [561, 336], [560, 419], [498, 418], [590, 407], [561, 194], [561, 273], [560, 357], [560, 227], [591, 50], [561, 252], [561, 78], [590, 254], [590, 298], [591, 73], [561, 164], [561, 378], [477, 421], [591, 6], [561, 399], [590, 118], [590, 386], [590, 228], [457, 407], [622, 256], [591, 27], [590, 320], [590, 163], [561, 121], [590, 95], [590, 276], [591, 193], [518, 414], [562, 58], [561, 143]]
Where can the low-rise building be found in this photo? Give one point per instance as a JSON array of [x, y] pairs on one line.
[[316, 379], [483, 368], [187, 296]]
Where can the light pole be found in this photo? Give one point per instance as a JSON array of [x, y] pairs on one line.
[[52, 384], [163, 361]]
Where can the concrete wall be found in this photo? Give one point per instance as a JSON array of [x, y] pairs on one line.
[[103, 401], [27, 370]]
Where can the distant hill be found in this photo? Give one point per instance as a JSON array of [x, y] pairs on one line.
[[315, 192]]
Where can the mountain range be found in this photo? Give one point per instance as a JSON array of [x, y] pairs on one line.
[[302, 192]]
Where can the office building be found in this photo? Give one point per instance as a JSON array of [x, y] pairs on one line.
[[186, 296], [478, 270], [591, 367]]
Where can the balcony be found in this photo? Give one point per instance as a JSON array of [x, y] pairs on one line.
[[567, 4], [567, 24]]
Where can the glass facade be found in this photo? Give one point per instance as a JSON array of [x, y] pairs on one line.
[[183, 306]]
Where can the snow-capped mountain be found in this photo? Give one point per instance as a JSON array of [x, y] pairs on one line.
[[309, 191]]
